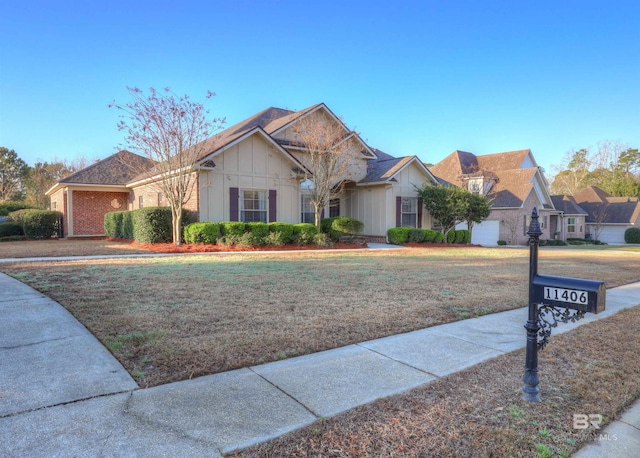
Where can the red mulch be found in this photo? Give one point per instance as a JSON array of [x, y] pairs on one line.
[[204, 248]]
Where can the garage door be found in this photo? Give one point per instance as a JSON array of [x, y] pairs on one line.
[[486, 233], [612, 234]]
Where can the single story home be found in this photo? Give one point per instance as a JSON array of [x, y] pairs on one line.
[[608, 217], [252, 171]]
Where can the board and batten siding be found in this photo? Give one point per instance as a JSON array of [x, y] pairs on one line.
[[251, 164], [376, 205]]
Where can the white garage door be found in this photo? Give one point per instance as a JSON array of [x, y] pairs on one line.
[[611, 234], [486, 233]]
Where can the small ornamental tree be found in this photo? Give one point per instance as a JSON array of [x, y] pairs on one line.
[[449, 205], [478, 209], [170, 131]]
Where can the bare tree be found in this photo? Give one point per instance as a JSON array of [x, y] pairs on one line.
[[599, 213], [513, 223], [170, 131], [328, 149]]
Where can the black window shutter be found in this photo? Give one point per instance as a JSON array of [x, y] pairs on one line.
[[420, 213], [398, 211], [234, 201], [272, 206]]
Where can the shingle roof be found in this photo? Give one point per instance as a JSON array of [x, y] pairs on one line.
[[512, 187], [600, 205], [117, 169], [385, 167], [567, 205], [502, 161]]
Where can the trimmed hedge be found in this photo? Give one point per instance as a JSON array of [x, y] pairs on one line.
[[398, 235], [10, 229], [632, 235], [232, 228], [9, 207], [451, 236], [430, 235], [303, 233], [349, 226], [285, 230], [145, 225], [415, 236], [41, 224], [439, 237], [259, 232], [202, 233], [18, 215]]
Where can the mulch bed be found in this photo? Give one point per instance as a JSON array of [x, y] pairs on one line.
[[206, 248]]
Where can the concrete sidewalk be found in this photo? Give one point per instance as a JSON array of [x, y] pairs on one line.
[[63, 394]]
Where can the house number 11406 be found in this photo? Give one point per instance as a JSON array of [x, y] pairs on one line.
[[566, 295]]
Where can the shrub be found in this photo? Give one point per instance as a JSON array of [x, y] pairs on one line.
[[10, 229], [12, 238], [18, 216], [285, 230], [430, 235], [439, 237], [276, 238], [258, 232], [349, 226], [232, 228], [502, 242], [10, 207], [398, 235], [152, 225], [321, 240], [632, 235], [303, 233], [451, 236], [415, 236], [462, 235], [326, 226], [41, 224], [202, 233], [113, 224]]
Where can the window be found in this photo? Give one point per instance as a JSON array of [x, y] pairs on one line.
[[571, 224], [475, 185], [409, 212], [253, 206], [334, 208], [307, 215], [140, 202], [54, 205]]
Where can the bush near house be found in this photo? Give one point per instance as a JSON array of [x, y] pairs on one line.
[[285, 230], [232, 228], [41, 224], [11, 206], [145, 225], [632, 235], [10, 229], [202, 233], [416, 236], [430, 235], [303, 233], [340, 226], [398, 235], [503, 242], [18, 215], [259, 232]]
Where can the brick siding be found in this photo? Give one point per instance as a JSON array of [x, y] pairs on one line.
[[89, 208]]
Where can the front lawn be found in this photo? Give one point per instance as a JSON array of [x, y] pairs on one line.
[[169, 319]]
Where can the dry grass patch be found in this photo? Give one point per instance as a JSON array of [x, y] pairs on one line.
[[169, 319], [478, 412], [48, 248]]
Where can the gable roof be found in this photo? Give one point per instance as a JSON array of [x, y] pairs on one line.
[[567, 205], [115, 170], [513, 175], [603, 208], [385, 167]]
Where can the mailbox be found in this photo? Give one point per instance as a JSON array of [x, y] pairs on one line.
[[572, 293]]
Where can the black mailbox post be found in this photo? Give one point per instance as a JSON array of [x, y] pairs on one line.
[[555, 296]]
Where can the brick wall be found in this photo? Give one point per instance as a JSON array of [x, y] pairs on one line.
[[89, 208]]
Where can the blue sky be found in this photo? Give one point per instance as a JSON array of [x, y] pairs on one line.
[[413, 77]]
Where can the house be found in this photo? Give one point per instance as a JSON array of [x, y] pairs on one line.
[[571, 219], [514, 183], [253, 171], [608, 217]]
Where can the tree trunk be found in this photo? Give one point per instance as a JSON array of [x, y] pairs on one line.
[[176, 216]]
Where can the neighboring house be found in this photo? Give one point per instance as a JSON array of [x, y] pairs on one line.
[[570, 222], [514, 183], [254, 171], [608, 217]]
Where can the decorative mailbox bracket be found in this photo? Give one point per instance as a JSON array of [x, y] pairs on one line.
[[552, 299]]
